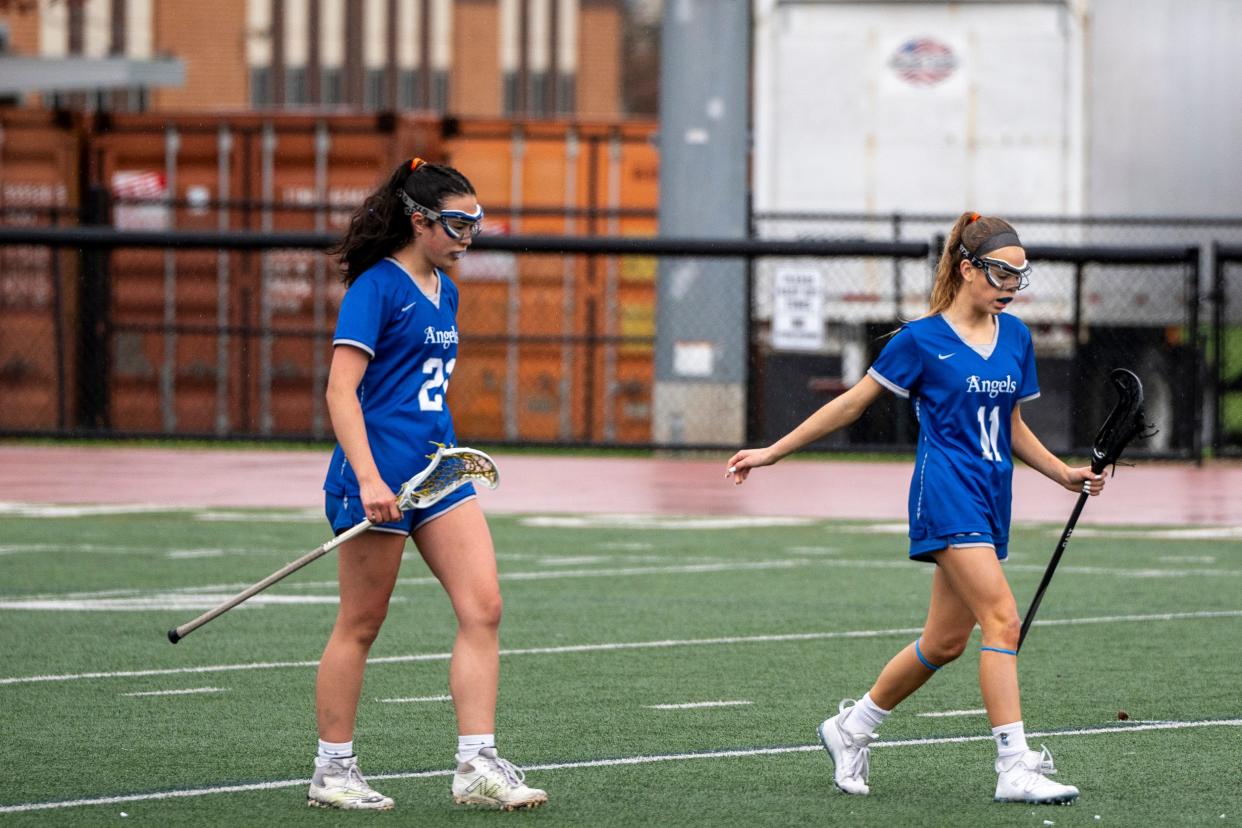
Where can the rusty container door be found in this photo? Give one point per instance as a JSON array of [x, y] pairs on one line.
[[229, 342], [39, 154], [541, 354]]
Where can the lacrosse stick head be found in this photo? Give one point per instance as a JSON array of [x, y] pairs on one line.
[[448, 470], [1126, 422]]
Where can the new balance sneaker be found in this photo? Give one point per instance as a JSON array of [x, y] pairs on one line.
[[338, 783], [489, 780], [1021, 778], [850, 755]]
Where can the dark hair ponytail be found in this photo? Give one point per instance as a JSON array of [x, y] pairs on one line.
[[381, 225]]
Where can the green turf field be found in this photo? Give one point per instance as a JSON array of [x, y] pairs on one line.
[[602, 623]]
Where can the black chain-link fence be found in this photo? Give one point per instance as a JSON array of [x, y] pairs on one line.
[[228, 335], [1091, 309]]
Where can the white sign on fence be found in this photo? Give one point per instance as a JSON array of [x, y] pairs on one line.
[[797, 310]]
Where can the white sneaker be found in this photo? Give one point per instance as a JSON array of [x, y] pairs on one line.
[[338, 783], [1021, 778], [850, 754], [489, 780]]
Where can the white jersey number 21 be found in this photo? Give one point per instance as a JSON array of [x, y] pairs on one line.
[[431, 395], [989, 431]]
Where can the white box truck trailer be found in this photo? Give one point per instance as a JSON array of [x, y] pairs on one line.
[[932, 108]]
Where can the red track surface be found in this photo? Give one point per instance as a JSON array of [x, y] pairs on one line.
[[1151, 493]]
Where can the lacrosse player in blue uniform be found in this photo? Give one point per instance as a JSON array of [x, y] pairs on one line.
[[967, 367], [394, 353]]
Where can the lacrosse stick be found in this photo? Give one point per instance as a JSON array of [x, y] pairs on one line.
[[1126, 422], [449, 469]]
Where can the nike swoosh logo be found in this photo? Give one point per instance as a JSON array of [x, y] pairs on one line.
[[407, 307], [945, 356]]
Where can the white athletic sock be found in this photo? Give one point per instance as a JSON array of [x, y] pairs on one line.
[[865, 716], [1010, 739], [468, 747], [335, 750]]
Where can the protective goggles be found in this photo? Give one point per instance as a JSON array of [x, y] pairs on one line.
[[1000, 274], [457, 223]]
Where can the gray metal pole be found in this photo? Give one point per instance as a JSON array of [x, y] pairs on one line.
[[701, 317]]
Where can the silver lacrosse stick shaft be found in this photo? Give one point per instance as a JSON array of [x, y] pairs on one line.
[[178, 633]]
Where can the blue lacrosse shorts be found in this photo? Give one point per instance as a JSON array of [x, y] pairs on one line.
[[346, 511]]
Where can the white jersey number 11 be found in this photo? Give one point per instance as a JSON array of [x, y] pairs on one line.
[[989, 431]]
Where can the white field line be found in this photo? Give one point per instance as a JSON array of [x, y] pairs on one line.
[[96, 549], [695, 705], [16, 602], [607, 763], [946, 713], [1186, 533], [416, 699], [186, 692], [278, 516], [158, 601], [19, 602], [52, 510], [624, 521], [614, 646], [1210, 533]]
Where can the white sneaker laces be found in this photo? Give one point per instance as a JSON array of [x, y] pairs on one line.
[[512, 774], [859, 765], [1028, 776], [353, 778]]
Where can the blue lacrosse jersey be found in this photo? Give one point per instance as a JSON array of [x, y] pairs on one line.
[[412, 342], [963, 472]]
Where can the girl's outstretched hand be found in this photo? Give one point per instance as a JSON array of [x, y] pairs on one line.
[[740, 464]]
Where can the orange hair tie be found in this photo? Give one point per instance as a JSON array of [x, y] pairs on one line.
[[973, 218], [415, 163]]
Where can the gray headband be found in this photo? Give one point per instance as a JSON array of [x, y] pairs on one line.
[[1003, 238]]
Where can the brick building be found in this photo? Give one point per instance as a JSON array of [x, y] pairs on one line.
[[508, 58]]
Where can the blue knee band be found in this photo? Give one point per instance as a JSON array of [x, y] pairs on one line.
[[926, 663], [998, 650]]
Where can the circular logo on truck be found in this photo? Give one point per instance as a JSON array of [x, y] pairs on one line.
[[923, 61]]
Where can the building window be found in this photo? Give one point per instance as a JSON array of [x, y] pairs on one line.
[[373, 94], [408, 89], [510, 93], [439, 91], [296, 91], [537, 97], [566, 95], [260, 86], [332, 87]]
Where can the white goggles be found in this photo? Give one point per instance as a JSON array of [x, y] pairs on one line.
[[1000, 274], [457, 223]]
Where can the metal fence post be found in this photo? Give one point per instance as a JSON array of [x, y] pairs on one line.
[[1218, 346], [754, 372], [94, 317], [1196, 356]]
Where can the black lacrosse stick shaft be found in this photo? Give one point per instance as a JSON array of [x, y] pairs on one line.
[[1052, 567], [1126, 422]]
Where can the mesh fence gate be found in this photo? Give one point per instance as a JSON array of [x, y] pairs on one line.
[[1226, 350]]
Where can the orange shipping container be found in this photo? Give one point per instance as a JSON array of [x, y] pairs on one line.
[[219, 342], [547, 366], [203, 342], [39, 162]]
